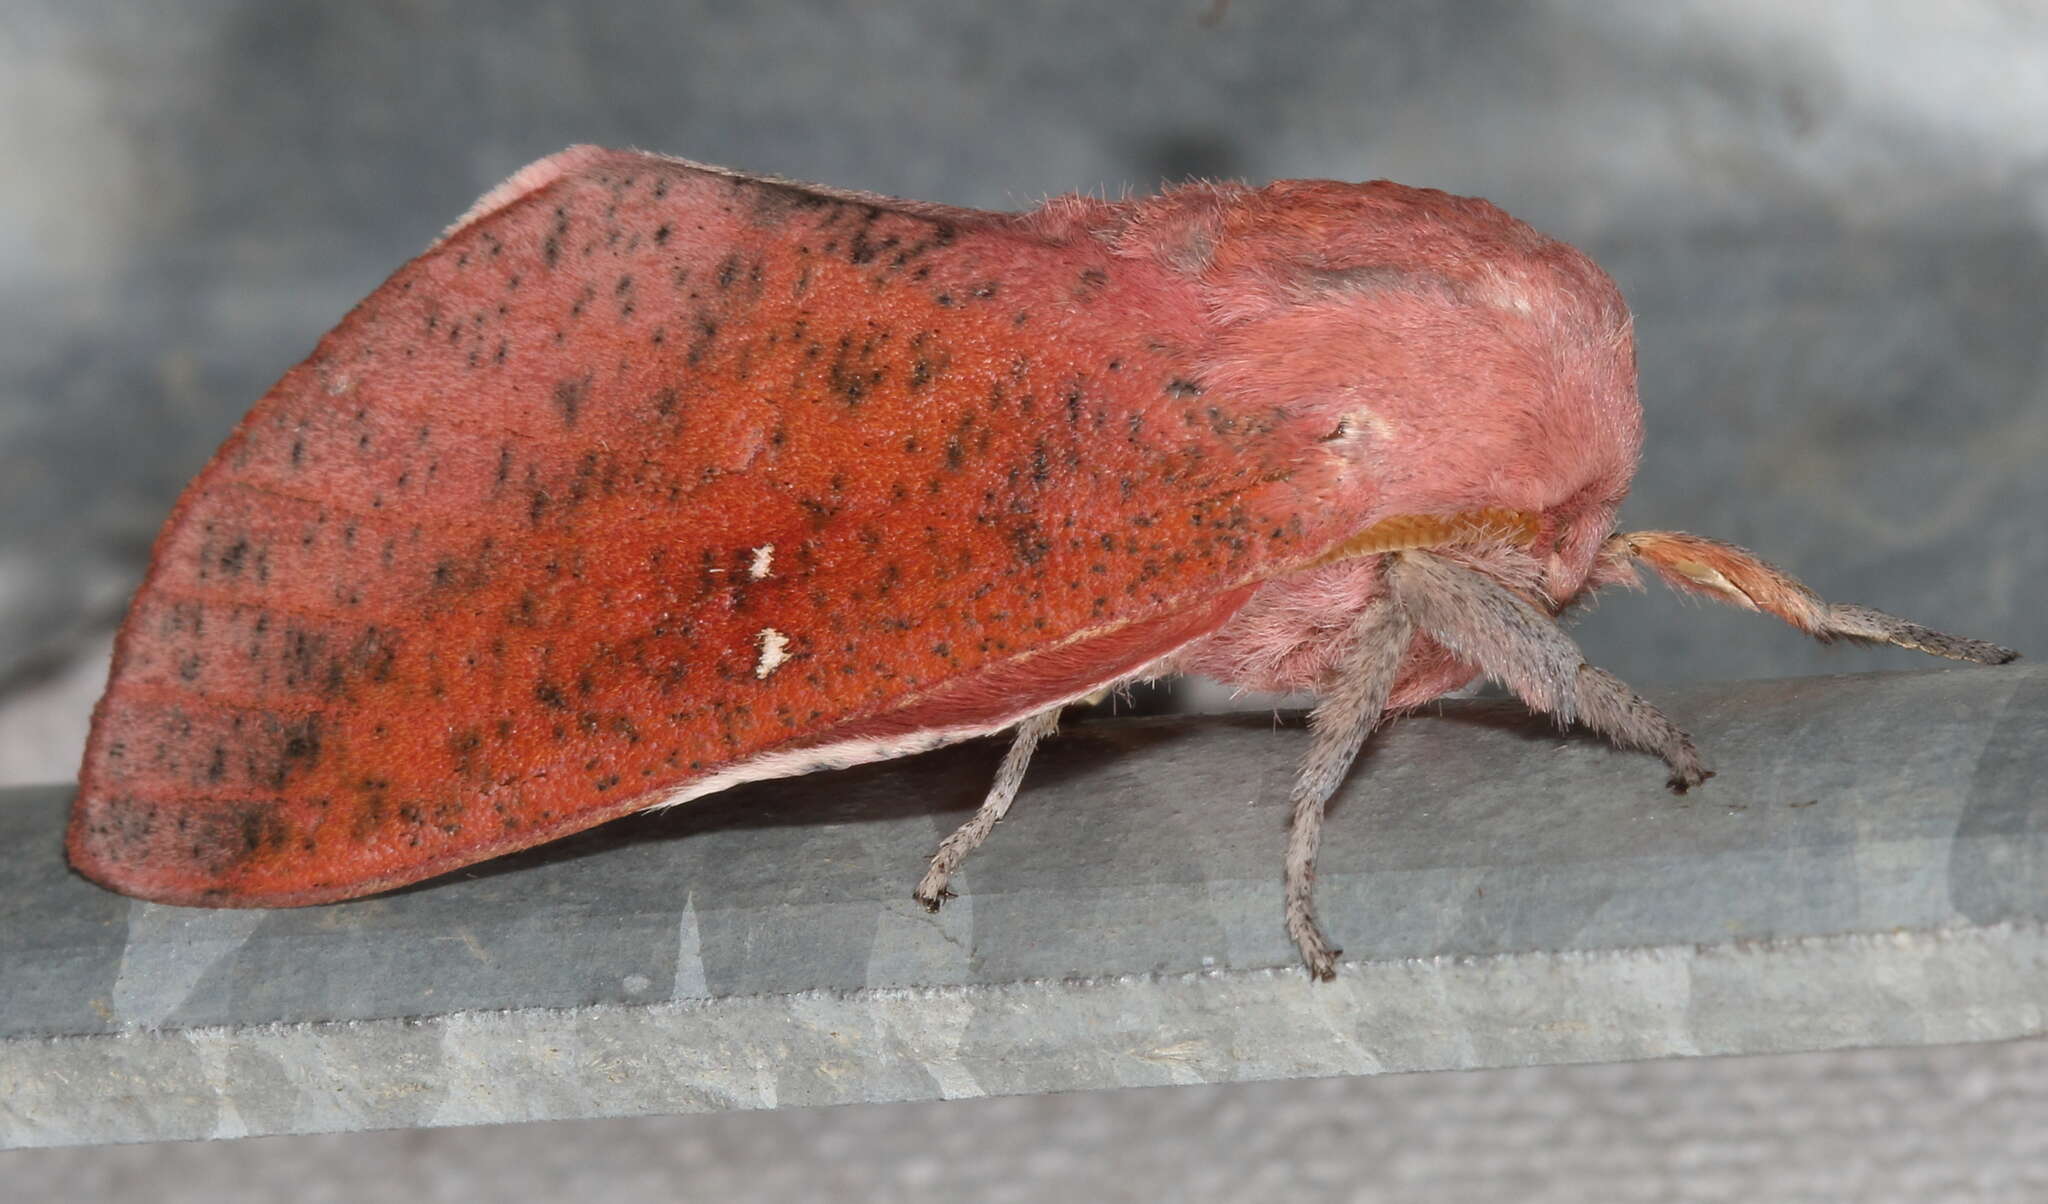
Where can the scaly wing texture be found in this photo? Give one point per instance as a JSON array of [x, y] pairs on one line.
[[646, 471]]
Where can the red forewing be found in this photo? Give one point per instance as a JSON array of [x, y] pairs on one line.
[[644, 473]]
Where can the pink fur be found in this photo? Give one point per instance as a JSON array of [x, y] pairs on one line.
[[1444, 356]]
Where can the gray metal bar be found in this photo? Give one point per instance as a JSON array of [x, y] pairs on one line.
[[1870, 868]]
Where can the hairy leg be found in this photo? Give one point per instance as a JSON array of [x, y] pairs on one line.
[[1345, 715], [1627, 718], [1722, 571], [1490, 626], [931, 889]]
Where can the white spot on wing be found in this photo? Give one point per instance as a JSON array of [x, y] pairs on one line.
[[764, 560], [774, 651]]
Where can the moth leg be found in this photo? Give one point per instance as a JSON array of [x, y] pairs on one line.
[[1487, 624], [1608, 706], [1344, 716], [931, 889], [1722, 571]]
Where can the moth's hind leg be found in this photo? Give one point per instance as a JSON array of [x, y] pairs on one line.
[[1486, 624], [931, 889], [1726, 573], [1346, 714]]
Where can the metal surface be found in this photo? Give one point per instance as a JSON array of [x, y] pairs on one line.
[[1870, 867]]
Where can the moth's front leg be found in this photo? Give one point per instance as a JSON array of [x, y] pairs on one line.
[[1488, 625]]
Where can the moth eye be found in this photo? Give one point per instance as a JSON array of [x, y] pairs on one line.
[[1337, 432]]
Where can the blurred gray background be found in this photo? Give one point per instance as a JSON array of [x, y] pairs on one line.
[[1831, 220]]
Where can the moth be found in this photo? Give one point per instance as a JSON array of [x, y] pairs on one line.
[[650, 478]]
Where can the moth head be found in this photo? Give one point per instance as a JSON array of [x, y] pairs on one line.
[[1431, 355]]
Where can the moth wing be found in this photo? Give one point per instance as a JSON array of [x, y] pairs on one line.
[[647, 478]]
